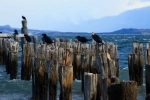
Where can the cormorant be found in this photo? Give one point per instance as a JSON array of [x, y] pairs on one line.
[[47, 39], [23, 17], [97, 38], [15, 32], [28, 38], [82, 39]]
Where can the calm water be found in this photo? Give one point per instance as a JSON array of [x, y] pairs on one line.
[[21, 90]]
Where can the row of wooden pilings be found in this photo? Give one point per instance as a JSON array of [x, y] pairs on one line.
[[96, 65]]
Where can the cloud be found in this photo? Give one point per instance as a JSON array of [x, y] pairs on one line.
[[45, 14]]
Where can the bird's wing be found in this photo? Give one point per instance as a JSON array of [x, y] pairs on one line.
[[98, 38]]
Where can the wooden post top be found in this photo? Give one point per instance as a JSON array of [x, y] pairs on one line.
[[6, 35]]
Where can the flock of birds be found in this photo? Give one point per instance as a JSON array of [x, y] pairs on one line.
[[48, 40], [81, 39]]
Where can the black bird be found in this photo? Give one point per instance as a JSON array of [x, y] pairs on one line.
[[27, 37], [0, 32], [82, 39], [97, 38], [15, 32], [23, 17], [47, 39]]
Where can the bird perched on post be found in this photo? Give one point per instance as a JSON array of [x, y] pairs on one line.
[[82, 39], [97, 38], [23, 17], [15, 32], [27, 37], [47, 39]]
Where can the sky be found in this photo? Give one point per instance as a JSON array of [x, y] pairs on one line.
[[54, 14]]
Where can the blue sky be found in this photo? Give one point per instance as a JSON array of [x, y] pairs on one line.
[[53, 14]]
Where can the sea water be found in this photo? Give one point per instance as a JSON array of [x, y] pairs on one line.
[[18, 89]]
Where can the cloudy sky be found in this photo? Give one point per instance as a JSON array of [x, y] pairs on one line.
[[53, 14]]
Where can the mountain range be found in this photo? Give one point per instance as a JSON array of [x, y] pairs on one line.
[[136, 18], [131, 21]]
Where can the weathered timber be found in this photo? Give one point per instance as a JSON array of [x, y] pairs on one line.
[[24, 29], [41, 75], [129, 90], [66, 74], [7, 55], [135, 65], [77, 60], [52, 65], [28, 51], [147, 68], [35, 41], [33, 78], [42, 79], [137, 48], [16, 37], [85, 58], [13, 59], [114, 92], [147, 97], [4, 51], [104, 85], [92, 60], [90, 86], [112, 59], [1, 50]]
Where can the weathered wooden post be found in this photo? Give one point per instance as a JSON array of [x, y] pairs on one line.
[[52, 65], [135, 64], [24, 30], [147, 68], [129, 90], [113, 60], [77, 60], [13, 59], [28, 50], [65, 73], [4, 51], [41, 75], [90, 86], [35, 41], [85, 58], [1, 50], [7, 55], [16, 37], [114, 89], [103, 87], [147, 97], [114, 92], [92, 61]]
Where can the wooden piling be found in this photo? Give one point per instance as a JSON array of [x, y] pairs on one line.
[[92, 60], [35, 41], [129, 90], [77, 60], [147, 68], [147, 97], [41, 75], [52, 65], [135, 65], [13, 59], [28, 51], [85, 58], [114, 92], [7, 55], [66, 74], [1, 50], [90, 86]]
